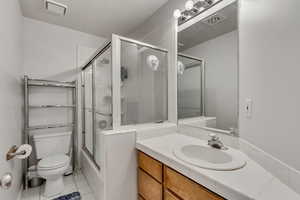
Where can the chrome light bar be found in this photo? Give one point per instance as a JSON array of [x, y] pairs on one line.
[[192, 9]]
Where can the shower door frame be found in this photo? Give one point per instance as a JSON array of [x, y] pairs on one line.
[[116, 74], [91, 62], [115, 45]]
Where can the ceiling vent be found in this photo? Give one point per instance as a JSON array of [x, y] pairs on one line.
[[56, 8], [214, 19]]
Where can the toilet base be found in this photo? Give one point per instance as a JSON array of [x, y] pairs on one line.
[[54, 186]]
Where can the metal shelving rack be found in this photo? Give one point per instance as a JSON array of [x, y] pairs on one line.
[[28, 83]]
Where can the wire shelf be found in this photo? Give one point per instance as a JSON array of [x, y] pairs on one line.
[[52, 106], [48, 126]]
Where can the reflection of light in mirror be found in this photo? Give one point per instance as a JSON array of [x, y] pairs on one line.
[[177, 13], [189, 5], [152, 62], [180, 67]]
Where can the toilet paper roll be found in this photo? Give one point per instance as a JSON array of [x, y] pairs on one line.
[[24, 147]]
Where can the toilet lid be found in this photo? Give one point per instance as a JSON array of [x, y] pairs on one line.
[[55, 161]]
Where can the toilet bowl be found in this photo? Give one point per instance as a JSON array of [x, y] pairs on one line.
[[52, 169], [52, 150]]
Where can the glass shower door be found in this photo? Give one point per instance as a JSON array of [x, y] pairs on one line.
[[144, 81], [97, 103], [88, 109], [103, 99]]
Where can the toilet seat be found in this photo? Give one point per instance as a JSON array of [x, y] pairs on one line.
[[53, 162]]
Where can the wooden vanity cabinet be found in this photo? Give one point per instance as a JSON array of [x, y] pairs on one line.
[[140, 198], [150, 177], [159, 182], [169, 196], [151, 166], [149, 188], [185, 188]]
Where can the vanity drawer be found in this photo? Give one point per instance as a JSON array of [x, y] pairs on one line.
[[169, 196], [148, 187], [151, 166], [185, 188]]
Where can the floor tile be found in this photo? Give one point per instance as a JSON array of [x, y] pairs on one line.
[[79, 177], [31, 194], [73, 183], [69, 180], [83, 187], [88, 197], [69, 188], [70, 185]]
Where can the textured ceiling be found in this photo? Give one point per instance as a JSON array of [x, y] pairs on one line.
[[97, 17]]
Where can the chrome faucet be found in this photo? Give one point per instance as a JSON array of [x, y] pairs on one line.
[[215, 142]]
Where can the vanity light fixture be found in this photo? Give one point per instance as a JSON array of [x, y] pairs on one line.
[[193, 8], [189, 5], [177, 13]]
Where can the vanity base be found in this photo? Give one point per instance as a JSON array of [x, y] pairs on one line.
[[157, 181]]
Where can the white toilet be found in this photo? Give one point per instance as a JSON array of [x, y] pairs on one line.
[[51, 149]]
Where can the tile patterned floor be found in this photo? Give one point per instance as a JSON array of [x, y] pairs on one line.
[[73, 183]]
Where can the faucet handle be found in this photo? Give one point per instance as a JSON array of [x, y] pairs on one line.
[[213, 136]]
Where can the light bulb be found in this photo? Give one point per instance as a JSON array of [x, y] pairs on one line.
[[189, 5], [177, 13]]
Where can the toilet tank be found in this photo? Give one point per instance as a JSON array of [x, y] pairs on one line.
[[52, 143]]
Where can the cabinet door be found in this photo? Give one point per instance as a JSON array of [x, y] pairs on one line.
[[169, 196], [151, 166], [185, 188], [149, 188]]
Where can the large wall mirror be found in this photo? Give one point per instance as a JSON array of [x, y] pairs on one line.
[[207, 71]]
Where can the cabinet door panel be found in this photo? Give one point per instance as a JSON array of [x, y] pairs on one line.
[[169, 196], [149, 188], [186, 188], [151, 166]]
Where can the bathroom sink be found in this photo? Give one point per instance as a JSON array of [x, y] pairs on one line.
[[205, 156]]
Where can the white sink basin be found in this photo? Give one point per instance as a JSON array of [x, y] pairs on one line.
[[205, 156]]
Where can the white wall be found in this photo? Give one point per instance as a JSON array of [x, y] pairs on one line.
[[221, 77], [269, 75], [118, 166], [10, 91], [51, 51]]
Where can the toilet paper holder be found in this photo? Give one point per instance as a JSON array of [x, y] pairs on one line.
[[13, 152]]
